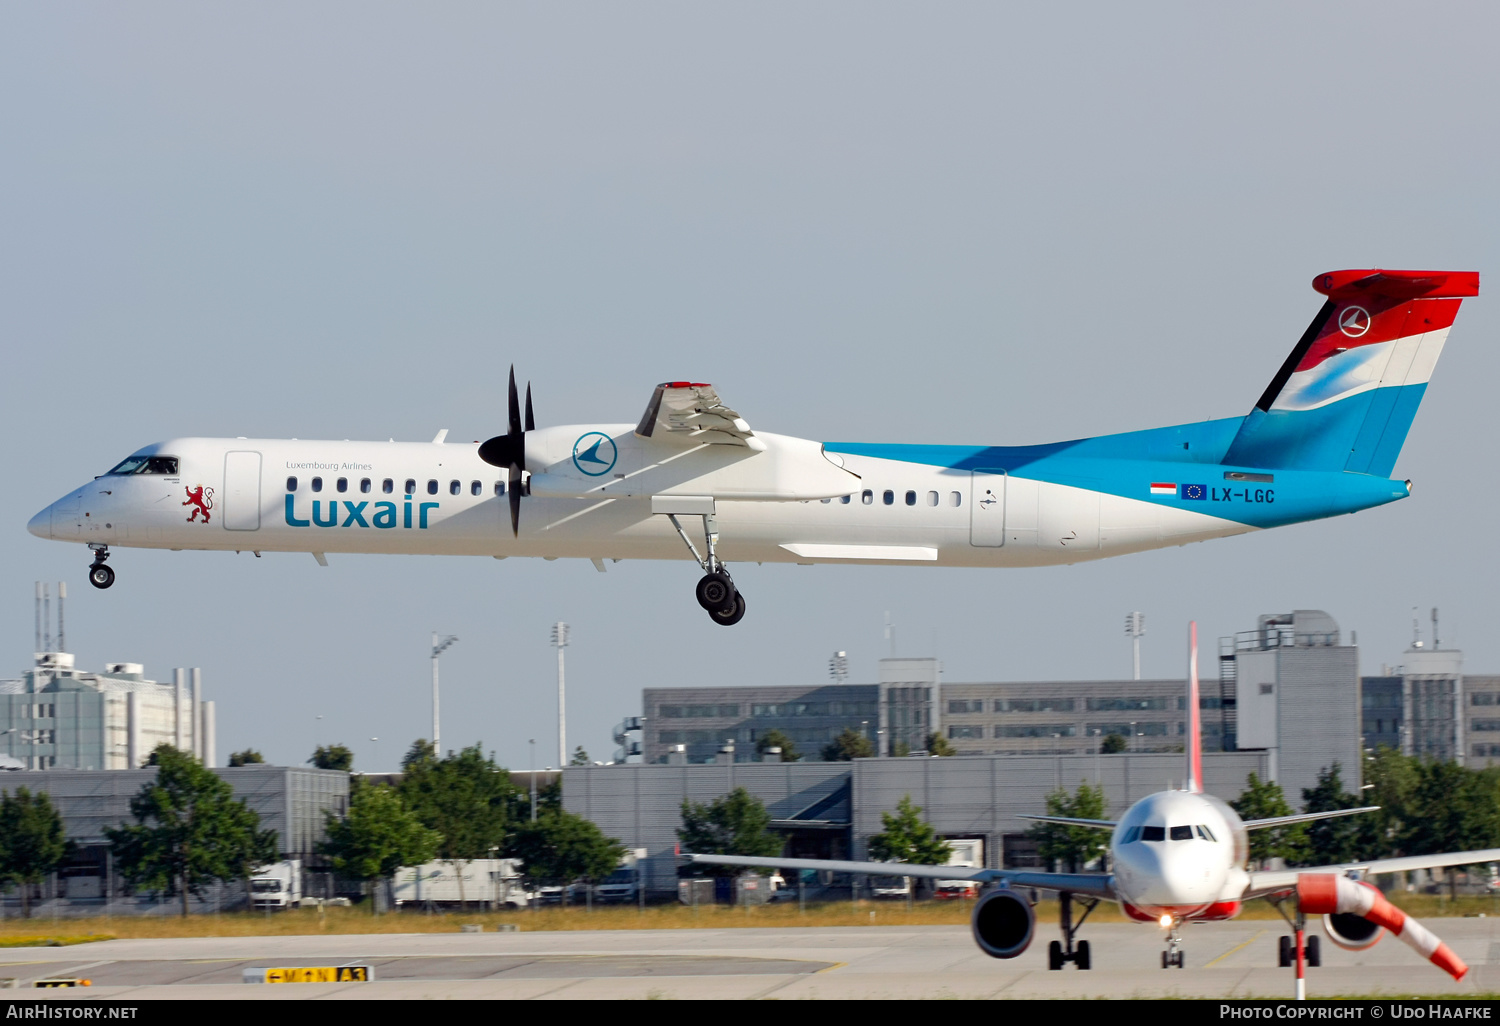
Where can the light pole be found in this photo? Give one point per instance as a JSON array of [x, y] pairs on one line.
[[1135, 626], [438, 648], [1132, 735], [532, 743], [1098, 746], [560, 639], [374, 751]]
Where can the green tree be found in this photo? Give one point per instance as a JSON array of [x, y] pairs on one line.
[[1264, 799], [248, 757], [189, 830], [849, 745], [734, 824], [421, 750], [1113, 744], [378, 837], [334, 757], [564, 847], [466, 799], [1330, 841], [580, 757], [937, 744], [1391, 777], [774, 738], [907, 837], [32, 842], [900, 749], [1452, 809], [1073, 847]]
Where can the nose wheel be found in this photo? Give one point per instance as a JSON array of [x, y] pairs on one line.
[[716, 591], [100, 576], [1172, 957]]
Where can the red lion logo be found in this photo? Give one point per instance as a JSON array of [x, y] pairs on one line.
[[201, 499]]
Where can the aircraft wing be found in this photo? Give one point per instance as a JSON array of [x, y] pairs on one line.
[[1304, 817], [690, 413], [1271, 881], [1096, 824], [1097, 885]]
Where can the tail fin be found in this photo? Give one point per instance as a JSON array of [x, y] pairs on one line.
[[1195, 716], [1346, 396]]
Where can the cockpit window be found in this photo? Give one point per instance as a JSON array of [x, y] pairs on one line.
[[1182, 833], [1131, 834], [1153, 833], [166, 465], [1205, 833]]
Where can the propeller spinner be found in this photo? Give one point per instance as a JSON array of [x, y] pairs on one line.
[[509, 450]]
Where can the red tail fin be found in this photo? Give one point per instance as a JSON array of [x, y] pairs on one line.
[[1194, 723]]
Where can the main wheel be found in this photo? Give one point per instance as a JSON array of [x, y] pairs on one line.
[[715, 592], [732, 615], [1054, 955], [1081, 956], [1178, 960], [101, 576], [1284, 955], [1166, 960], [1312, 950]]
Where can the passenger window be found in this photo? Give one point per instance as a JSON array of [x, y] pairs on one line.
[[455, 487], [431, 487], [955, 498], [364, 485], [867, 497], [291, 484], [932, 498], [317, 484], [343, 484], [1153, 833], [388, 486], [1182, 833], [825, 501], [411, 487], [499, 487], [845, 499], [911, 498], [889, 497], [477, 488]]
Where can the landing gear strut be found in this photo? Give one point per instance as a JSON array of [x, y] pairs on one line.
[[716, 592], [1298, 950], [1060, 953], [100, 576], [1172, 957]]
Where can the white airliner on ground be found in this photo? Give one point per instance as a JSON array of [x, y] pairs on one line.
[[1178, 857], [1321, 441]]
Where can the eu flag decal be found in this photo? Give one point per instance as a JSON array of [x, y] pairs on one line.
[[1194, 491]]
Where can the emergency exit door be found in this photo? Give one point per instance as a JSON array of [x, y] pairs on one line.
[[987, 508], [241, 500]]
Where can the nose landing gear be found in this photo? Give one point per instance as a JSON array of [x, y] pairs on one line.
[[1172, 957], [715, 592], [100, 576]]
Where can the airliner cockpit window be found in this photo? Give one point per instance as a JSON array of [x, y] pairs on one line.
[[1205, 833], [166, 465], [1182, 833], [1130, 835], [1153, 833]]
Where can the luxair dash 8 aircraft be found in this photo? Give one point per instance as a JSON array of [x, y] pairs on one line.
[[1180, 857], [1322, 440]]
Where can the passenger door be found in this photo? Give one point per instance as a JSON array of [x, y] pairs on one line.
[[242, 491]]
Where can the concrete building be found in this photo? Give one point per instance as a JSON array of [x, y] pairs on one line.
[[56, 716], [830, 810], [703, 718]]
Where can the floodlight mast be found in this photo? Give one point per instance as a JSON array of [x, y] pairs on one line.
[[438, 648], [560, 639], [1135, 626]]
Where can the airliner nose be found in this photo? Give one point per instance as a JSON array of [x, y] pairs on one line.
[[41, 524]]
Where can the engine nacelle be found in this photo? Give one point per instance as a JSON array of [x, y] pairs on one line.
[[1003, 923], [1351, 932]]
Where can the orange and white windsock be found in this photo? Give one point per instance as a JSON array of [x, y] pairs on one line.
[[1329, 893]]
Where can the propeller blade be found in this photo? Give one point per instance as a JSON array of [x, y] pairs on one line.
[[514, 491], [530, 420], [515, 404]]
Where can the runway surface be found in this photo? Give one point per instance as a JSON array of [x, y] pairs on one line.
[[1223, 960]]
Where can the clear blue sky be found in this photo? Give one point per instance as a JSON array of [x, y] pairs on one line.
[[862, 221]]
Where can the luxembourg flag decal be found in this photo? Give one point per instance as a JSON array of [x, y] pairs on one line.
[[1163, 488]]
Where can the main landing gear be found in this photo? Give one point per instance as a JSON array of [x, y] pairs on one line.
[[1060, 953], [1172, 957], [716, 592], [100, 576]]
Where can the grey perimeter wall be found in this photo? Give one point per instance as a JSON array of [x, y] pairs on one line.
[[973, 796]]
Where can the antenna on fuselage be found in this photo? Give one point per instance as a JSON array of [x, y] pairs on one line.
[[1194, 727]]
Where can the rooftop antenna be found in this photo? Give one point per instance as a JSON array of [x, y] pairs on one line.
[[838, 667], [46, 618], [1435, 644], [1135, 626], [38, 648], [890, 633], [1416, 629], [62, 593]]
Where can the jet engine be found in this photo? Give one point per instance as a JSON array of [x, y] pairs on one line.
[[1351, 932], [1003, 923]]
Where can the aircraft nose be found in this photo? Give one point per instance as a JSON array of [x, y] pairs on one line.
[[41, 524]]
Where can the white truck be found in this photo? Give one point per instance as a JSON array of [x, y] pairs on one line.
[[277, 886], [482, 882], [969, 853]]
